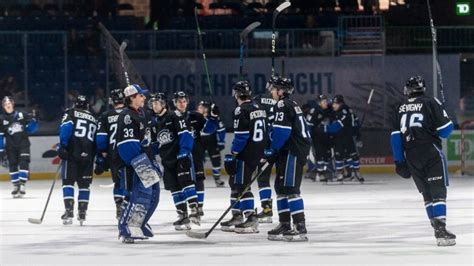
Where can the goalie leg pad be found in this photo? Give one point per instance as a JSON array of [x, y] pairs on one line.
[[146, 170], [143, 202]]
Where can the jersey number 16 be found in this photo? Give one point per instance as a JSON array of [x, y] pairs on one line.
[[414, 120]]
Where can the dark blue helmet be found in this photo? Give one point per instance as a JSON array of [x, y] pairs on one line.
[[81, 103], [413, 85], [241, 89]]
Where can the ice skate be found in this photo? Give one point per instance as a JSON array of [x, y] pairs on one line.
[[182, 223], [298, 234], [276, 234], [265, 216], [219, 182], [16, 191], [127, 240], [194, 217], [81, 217], [22, 190], [340, 178], [67, 217], [229, 226], [250, 226], [200, 212], [443, 237], [357, 177]]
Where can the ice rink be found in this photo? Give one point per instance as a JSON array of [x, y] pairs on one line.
[[382, 222]]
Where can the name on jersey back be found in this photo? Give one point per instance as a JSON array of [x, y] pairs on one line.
[[411, 107]]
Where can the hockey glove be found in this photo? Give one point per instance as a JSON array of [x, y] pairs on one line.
[[214, 111], [230, 164], [221, 145], [63, 153], [184, 162], [402, 169], [100, 165], [270, 155]]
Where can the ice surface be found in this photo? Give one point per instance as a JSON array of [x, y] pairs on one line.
[[382, 222]]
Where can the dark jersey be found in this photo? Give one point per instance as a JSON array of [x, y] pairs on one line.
[[133, 134], [250, 132], [107, 135], [347, 121], [14, 127], [316, 118], [421, 120], [290, 131], [267, 103], [174, 137], [77, 134]]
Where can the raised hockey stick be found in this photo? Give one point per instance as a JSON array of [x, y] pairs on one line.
[[203, 235], [243, 37], [201, 47], [40, 220], [122, 48], [435, 53], [366, 107], [277, 11]]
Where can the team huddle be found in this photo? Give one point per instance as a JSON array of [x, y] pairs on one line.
[[145, 139]]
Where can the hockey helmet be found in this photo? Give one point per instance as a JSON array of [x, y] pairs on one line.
[[157, 97], [178, 95], [81, 103], [117, 96], [241, 89], [284, 84], [414, 84], [338, 99], [206, 104], [322, 97]]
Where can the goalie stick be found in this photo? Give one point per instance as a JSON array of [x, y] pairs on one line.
[[277, 11], [203, 235]]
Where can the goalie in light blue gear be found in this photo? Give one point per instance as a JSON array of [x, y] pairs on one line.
[[141, 174]]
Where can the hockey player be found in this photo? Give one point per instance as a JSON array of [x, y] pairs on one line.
[[264, 189], [141, 175], [342, 128], [291, 142], [250, 139], [213, 143], [175, 142], [198, 125], [420, 123], [107, 153], [317, 118], [77, 149], [15, 145]]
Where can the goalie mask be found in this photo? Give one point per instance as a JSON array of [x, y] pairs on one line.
[[414, 85]]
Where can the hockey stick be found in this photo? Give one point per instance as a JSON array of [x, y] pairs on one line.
[[243, 37], [435, 53], [277, 11], [367, 107], [122, 48], [39, 221], [201, 47], [201, 235]]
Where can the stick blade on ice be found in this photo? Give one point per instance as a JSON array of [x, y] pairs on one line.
[[34, 221], [283, 6], [197, 235]]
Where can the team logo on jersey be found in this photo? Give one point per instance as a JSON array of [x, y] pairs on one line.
[[20, 116], [165, 136], [5, 122], [237, 111], [84, 154], [15, 128], [344, 111], [281, 104], [127, 120]]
